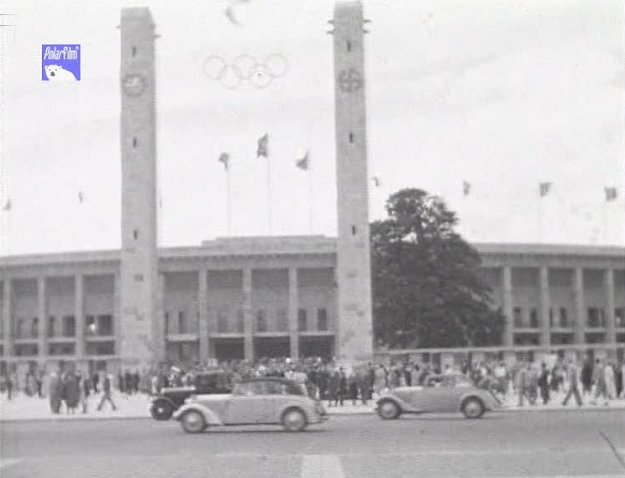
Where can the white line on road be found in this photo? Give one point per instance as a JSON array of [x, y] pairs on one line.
[[321, 466], [7, 462], [541, 451]]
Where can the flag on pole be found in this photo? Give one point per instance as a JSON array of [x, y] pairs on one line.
[[376, 181], [466, 188], [262, 148], [610, 194], [224, 158], [544, 188], [303, 162], [7, 205]]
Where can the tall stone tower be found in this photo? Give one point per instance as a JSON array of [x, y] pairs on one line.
[[355, 325], [140, 334]]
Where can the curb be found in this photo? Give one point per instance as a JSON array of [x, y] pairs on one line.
[[575, 409]]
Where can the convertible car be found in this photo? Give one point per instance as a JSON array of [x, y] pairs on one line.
[[258, 401], [440, 393]]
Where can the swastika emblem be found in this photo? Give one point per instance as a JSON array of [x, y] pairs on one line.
[[350, 80]]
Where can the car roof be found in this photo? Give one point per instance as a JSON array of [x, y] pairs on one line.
[[270, 379], [442, 375]]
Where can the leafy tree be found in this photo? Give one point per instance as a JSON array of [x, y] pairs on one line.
[[426, 288]]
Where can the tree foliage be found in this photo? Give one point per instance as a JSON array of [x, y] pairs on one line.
[[426, 288]]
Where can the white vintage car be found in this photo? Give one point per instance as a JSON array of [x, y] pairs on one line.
[[439, 394], [258, 401]]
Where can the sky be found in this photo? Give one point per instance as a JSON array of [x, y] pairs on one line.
[[503, 94]]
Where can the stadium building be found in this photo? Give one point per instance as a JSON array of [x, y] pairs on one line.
[[277, 296], [272, 296]]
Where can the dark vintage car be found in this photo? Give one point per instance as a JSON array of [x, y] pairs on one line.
[[172, 398]]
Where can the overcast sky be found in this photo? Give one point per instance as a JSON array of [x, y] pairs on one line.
[[502, 94]]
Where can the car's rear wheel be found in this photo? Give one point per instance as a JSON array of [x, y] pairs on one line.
[[388, 410], [473, 408], [193, 422], [162, 410], [294, 420]]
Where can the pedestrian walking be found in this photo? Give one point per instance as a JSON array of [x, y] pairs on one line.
[[522, 382], [543, 383], [9, 386], [610, 381], [333, 387], [128, 382], [84, 391], [106, 392], [39, 383], [621, 373], [342, 390], [363, 383], [380, 380], [71, 392], [572, 372], [598, 376], [352, 388], [55, 392], [532, 384], [586, 377]]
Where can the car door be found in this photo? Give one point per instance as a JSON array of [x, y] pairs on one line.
[[247, 405], [277, 395], [438, 395]]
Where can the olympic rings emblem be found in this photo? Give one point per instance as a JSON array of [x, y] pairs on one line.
[[245, 70]]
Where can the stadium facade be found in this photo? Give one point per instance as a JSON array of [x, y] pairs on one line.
[[277, 296]]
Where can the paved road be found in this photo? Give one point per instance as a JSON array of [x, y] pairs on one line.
[[544, 444]]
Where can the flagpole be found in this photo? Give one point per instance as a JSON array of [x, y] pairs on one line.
[[605, 222], [228, 202], [310, 201], [539, 220], [268, 195]]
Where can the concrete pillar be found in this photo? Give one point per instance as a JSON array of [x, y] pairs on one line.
[[580, 306], [6, 317], [545, 304], [609, 305], [248, 317], [202, 300], [508, 331], [293, 308], [42, 314], [117, 304], [354, 332], [79, 315]]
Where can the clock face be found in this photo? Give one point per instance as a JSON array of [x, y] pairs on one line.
[[134, 84], [350, 80]]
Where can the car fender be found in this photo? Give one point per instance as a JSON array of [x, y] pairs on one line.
[[162, 397], [307, 408], [474, 394], [210, 416], [403, 406]]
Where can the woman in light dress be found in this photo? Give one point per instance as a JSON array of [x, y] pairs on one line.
[[610, 382]]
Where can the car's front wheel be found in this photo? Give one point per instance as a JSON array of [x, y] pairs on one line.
[[162, 410], [294, 420], [473, 408], [193, 422], [388, 410]]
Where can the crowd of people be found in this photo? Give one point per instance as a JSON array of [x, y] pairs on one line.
[[594, 382]]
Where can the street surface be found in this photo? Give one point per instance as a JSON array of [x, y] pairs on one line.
[[520, 444]]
